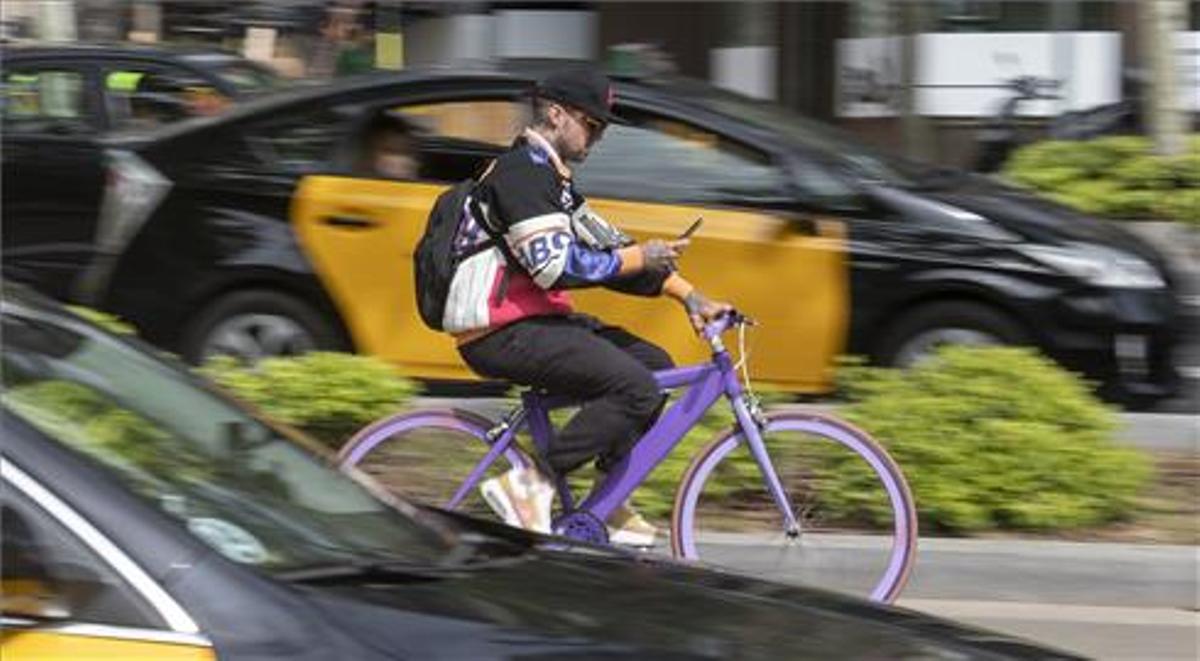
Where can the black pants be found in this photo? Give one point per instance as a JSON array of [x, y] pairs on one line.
[[606, 367]]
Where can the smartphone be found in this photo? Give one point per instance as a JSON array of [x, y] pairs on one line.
[[692, 230]]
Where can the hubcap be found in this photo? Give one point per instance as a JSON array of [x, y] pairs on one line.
[[922, 347], [252, 337]]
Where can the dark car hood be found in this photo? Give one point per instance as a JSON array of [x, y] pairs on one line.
[[1024, 215], [585, 603]]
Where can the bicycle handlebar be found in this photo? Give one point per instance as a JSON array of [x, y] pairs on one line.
[[714, 330]]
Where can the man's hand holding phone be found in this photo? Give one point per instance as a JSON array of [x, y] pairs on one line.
[[662, 255], [687, 233]]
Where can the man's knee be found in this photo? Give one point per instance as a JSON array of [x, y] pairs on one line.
[[642, 395], [656, 358]]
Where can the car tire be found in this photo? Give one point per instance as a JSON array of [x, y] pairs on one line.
[[914, 336], [257, 324]]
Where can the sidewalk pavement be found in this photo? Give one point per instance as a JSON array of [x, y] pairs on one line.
[[1101, 600], [1113, 602]]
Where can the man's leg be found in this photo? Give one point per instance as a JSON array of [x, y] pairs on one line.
[[566, 355], [654, 357]]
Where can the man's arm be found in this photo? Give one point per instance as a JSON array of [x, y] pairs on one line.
[[538, 234], [700, 309]]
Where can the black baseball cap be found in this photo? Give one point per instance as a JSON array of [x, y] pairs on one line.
[[581, 87]]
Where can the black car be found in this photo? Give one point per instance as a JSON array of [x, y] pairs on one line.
[[56, 101], [147, 516], [256, 232]]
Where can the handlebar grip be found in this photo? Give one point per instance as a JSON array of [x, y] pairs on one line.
[[725, 322]]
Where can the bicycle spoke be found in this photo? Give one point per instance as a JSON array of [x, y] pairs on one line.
[[855, 520], [427, 460]]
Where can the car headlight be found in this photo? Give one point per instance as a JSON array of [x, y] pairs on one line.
[[1097, 265]]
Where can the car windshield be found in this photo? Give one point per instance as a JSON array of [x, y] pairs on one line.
[[238, 484], [830, 142]]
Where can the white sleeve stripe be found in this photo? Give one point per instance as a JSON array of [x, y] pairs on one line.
[[521, 235], [538, 224], [550, 272]]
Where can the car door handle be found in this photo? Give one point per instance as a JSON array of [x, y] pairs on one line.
[[350, 222]]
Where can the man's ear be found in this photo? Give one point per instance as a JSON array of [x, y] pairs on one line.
[[556, 115]]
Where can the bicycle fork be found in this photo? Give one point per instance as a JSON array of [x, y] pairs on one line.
[[752, 424]]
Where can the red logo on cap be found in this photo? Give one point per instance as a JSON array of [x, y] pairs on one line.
[[611, 96]]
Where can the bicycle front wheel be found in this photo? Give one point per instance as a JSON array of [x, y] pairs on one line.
[[427, 456], [856, 523]]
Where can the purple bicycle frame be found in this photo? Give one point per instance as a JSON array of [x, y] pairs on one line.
[[706, 384]]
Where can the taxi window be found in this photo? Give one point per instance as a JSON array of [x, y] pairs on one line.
[[301, 143], [49, 574], [661, 159], [491, 122], [48, 100]]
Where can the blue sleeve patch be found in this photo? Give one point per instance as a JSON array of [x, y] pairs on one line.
[[585, 266]]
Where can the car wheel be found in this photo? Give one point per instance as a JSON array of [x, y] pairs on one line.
[[917, 335], [257, 324]]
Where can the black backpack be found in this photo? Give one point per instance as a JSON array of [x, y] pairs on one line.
[[434, 262]]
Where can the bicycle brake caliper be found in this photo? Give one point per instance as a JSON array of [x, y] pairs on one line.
[[756, 411], [497, 430]]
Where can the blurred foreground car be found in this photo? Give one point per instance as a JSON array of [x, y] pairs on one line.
[[148, 517], [259, 233], [57, 100]]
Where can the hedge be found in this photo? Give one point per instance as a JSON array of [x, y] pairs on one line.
[[989, 438], [1117, 177], [329, 395], [979, 453], [999, 438]]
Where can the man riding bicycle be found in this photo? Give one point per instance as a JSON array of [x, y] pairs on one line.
[[512, 317]]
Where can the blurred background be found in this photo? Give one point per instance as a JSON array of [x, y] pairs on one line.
[[953, 84], [1093, 104], [848, 62]]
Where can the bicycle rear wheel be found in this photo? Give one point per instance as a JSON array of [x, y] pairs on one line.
[[857, 529], [426, 456]]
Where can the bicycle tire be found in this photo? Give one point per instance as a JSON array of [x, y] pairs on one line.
[[433, 467], [817, 555]]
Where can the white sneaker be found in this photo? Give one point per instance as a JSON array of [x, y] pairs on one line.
[[627, 527], [522, 497]]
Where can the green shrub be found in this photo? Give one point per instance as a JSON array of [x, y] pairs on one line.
[[108, 322], [1183, 204], [997, 437], [329, 395], [1093, 196], [1049, 178], [1117, 177], [1187, 167], [1082, 158], [1145, 171]]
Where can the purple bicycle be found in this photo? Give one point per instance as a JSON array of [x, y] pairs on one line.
[[790, 495]]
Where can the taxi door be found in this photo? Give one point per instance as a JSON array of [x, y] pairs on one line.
[[360, 235], [63, 599], [788, 274], [65, 643]]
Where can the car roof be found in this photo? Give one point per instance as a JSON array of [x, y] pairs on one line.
[[41, 49], [663, 90]]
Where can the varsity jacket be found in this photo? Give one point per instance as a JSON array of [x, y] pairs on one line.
[[553, 240]]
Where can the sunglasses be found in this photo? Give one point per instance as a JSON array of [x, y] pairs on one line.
[[594, 126]]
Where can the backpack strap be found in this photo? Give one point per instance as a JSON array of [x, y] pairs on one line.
[[494, 238]]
